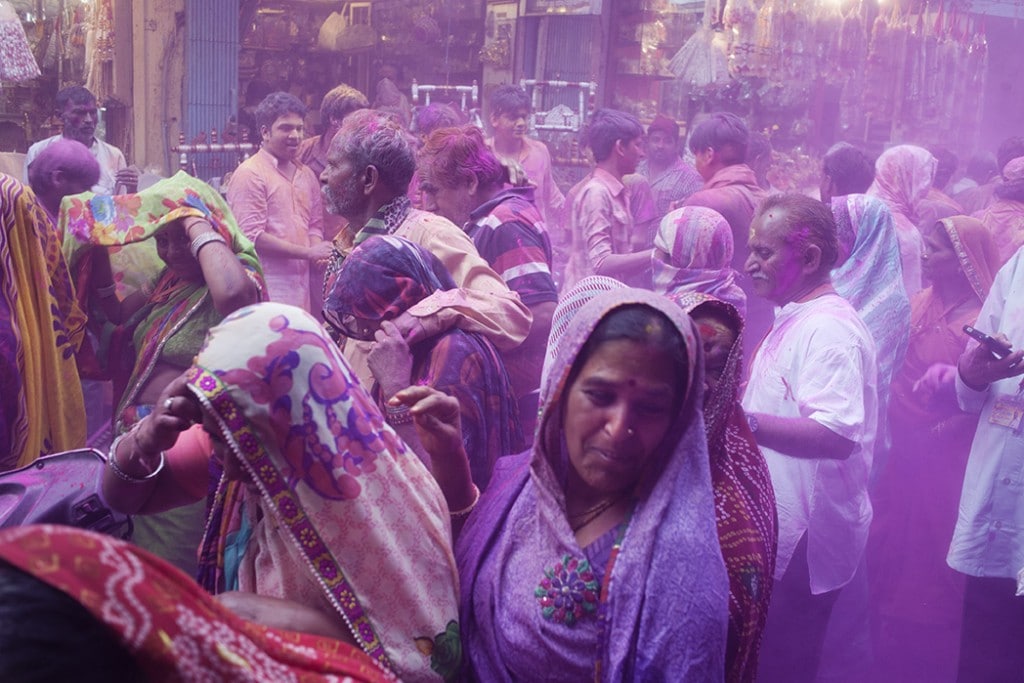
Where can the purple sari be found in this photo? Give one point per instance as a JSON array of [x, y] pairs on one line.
[[663, 611]]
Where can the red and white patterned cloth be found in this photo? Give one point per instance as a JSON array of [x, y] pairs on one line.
[[173, 629]]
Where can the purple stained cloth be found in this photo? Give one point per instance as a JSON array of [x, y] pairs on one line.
[[693, 253], [903, 176], [573, 300], [666, 611], [870, 276]]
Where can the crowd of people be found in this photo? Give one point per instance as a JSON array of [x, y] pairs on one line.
[[395, 406]]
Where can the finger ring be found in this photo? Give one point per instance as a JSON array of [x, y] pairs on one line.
[[168, 403]]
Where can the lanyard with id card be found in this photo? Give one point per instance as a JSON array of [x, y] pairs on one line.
[[1008, 411]]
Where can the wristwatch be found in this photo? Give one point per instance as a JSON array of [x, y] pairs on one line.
[[752, 423]]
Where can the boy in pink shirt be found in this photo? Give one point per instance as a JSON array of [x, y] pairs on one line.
[[510, 107]]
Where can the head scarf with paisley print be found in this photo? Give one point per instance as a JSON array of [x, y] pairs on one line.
[[693, 252], [170, 327], [343, 515]]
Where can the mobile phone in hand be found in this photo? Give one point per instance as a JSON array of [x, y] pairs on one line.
[[994, 346]]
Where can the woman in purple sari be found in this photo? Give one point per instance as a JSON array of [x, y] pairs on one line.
[[594, 555]]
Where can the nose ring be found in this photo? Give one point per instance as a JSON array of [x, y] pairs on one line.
[[630, 431]]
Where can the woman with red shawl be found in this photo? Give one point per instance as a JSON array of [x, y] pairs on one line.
[[744, 500], [76, 605]]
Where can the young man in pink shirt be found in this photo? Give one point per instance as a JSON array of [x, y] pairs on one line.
[[510, 107], [604, 239], [277, 203]]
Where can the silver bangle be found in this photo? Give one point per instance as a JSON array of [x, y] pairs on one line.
[[466, 510], [107, 292], [204, 239], [124, 476]]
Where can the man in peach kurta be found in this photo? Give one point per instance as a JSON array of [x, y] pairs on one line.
[[277, 203]]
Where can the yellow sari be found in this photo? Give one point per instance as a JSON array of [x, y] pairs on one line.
[[41, 329]]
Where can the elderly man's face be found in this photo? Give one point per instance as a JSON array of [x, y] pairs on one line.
[[79, 120], [775, 265], [453, 202], [341, 182]]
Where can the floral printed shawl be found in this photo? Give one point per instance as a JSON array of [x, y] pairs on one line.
[[175, 631], [177, 308], [744, 501], [41, 328], [665, 611], [869, 276], [381, 279], [693, 251], [345, 517]]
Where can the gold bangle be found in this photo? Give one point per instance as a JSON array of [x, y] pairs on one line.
[[466, 510]]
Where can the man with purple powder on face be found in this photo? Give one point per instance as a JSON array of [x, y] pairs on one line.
[[79, 114], [462, 180], [811, 402]]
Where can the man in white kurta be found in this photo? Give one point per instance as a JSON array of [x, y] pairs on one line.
[[988, 544], [812, 405]]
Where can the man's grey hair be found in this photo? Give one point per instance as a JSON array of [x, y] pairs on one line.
[[374, 138], [807, 221]]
